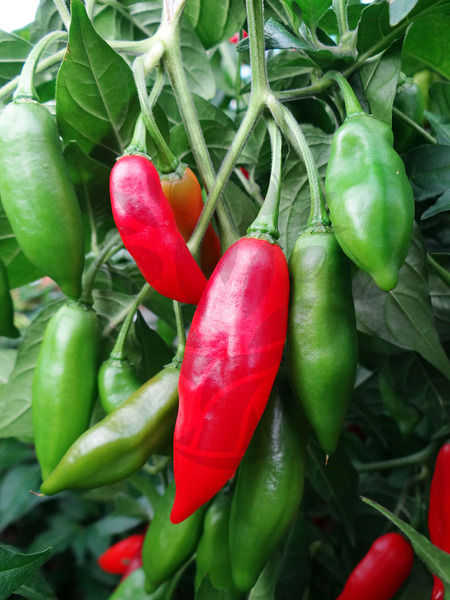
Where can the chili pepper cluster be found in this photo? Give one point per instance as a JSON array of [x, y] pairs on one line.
[[239, 444]]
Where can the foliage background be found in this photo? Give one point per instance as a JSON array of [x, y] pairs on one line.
[[399, 416]]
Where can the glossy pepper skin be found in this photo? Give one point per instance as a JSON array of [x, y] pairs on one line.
[[212, 558], [117, 381], [38, 196], [322, 341], [439, 512], [370, 198], [167, 547], [64, 382], [269, 487], [232, 355], [408, 99], [148, 229], [117, 558], [123, 441], [7, 327], [382, 571], [185, 197]]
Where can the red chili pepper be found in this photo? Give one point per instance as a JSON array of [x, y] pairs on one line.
[[232, 355], [439, 511], [148, 229], [120, 556], [235, 38], [382, 571], [185, 198]]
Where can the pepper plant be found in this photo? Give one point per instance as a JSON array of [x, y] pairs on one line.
[[225, 300]]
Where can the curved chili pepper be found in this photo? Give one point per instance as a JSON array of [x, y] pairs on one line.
[[382, 571], [117, 559], [148, 229], [185, 197], [439, 511], [117, 381], [232, 355]]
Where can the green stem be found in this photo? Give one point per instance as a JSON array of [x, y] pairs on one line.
[[157, 86], [118, 351], [352, 106], [167, 162], [25, 88], [340, 10], [266, 222], [181, 334], [63, 12], [251, 188], [108, 250], [437, 268], [174, 67], [294, 134], [255, 20], [420, 130], [138, 143], [248, 122], [418, 458]]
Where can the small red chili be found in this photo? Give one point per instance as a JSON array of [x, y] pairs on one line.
[[120, 556]]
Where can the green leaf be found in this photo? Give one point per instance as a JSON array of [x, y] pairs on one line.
[[428, 169], [7, 360], [196, 64], [215, 22], [207, 591], [15, 397], [313, 11], [16, 497], [440, 94], [399, 9], [428, 41], [441, 126], [16, 568], [379, 77], [443, 204], [437, 561], [36, 588], [336, 483], [13, 51], [403, 316], [95, 94]]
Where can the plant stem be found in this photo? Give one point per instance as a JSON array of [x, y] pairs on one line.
[[63, 12], [255, 20], [266, 222], [118, 351], [340, 10], [167, 162], [437, 268], [181, 334], [108, 250], [25, 87], [352, 106], [420, 130], [294, 134], [417, 458]]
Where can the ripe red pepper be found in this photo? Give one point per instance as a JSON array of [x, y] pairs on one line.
[[439, 511], [185, 197], [121, 556], [148, 229], [232, 355], [382, 571]]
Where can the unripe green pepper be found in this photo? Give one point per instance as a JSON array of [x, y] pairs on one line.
[[64, 382], [410, 101], [269, 488], [117, 381], [212, 558], [322, 340], [7, 327], [167, 546], [121, 443], [369, 196]]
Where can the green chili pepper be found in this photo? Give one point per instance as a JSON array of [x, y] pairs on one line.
[[269, 488], [7, 327], [64, 382], [322, 340], [408, 100], [369, 196], [117, 381], [37, 194], [212, 558], [121, 443], [167, 546]]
